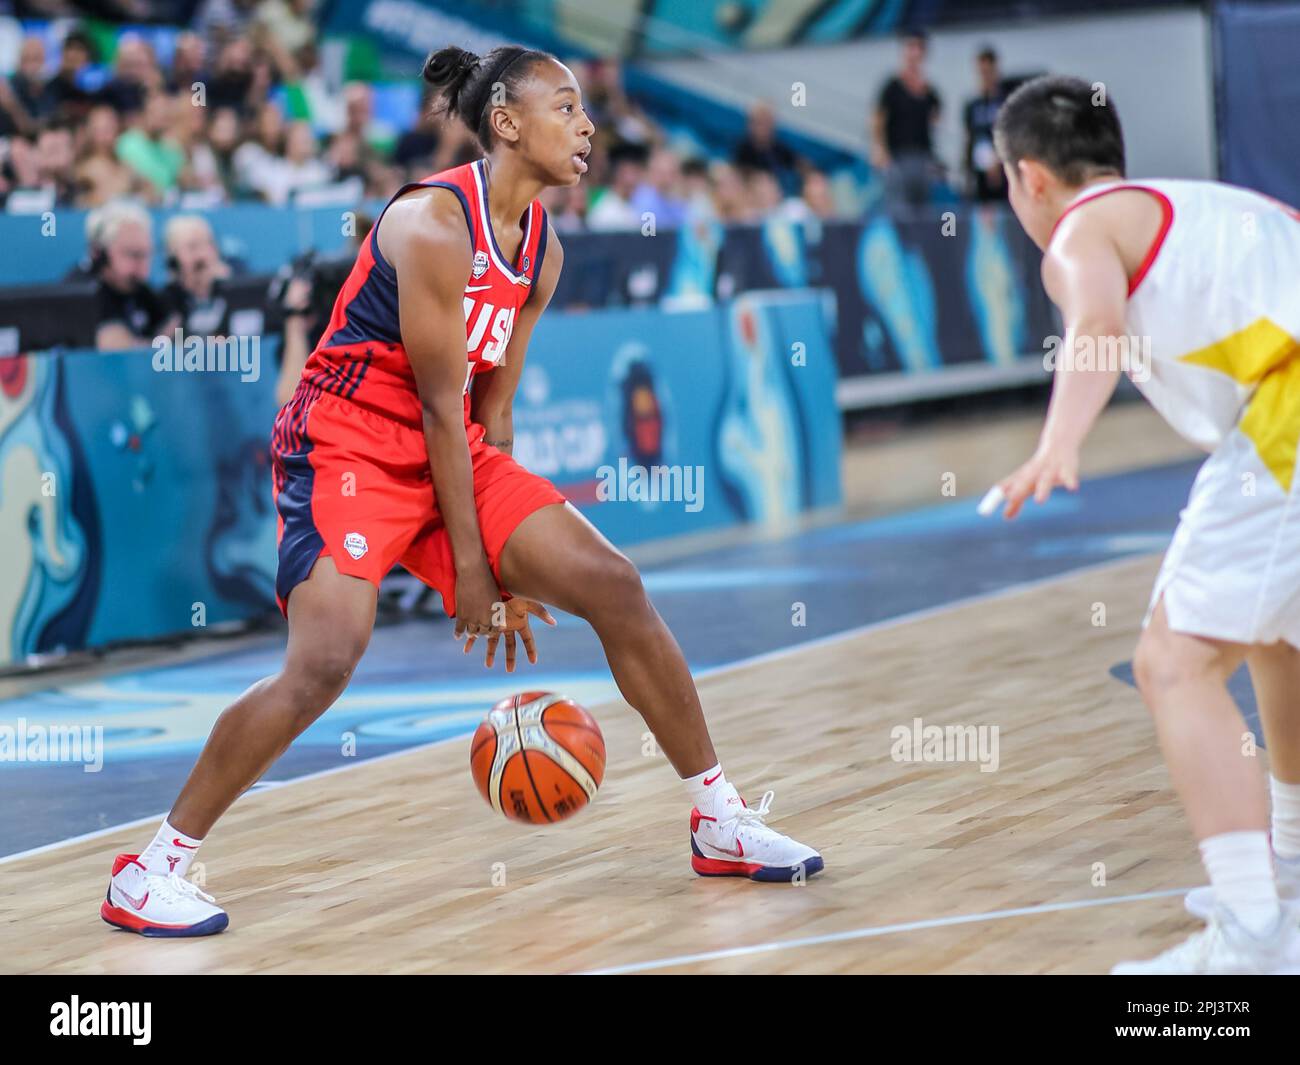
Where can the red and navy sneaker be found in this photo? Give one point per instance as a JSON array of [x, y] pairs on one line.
[[158, 904], [737, 842]]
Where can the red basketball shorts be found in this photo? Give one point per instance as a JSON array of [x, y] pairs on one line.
[[356, 486]]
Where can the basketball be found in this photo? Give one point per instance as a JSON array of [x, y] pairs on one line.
[[538, 757]]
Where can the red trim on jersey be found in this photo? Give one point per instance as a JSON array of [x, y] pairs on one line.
[[1166, 208]]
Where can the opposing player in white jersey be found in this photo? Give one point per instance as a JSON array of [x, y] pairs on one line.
[[1193, 288]]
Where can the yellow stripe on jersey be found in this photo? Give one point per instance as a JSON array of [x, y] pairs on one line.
[[1272, 421], [1248, 354], [1263, 354]]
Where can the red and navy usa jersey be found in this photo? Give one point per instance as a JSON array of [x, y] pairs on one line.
[[360, 356]]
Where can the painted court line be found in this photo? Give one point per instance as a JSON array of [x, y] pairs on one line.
[[700, 674], [871, 933]]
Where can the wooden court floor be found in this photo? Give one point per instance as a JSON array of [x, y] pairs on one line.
[[398, 865]]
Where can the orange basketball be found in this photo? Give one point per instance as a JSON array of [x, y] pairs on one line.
[[538, 757]]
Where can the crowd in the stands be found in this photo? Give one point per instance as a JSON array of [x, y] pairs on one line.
[[244, 111]]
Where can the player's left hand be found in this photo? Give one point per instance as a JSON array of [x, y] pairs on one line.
[[517, 611], [1051, 467]]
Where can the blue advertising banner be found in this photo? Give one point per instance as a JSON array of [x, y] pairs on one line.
[[660, 424], [135, 493], [134, 503]]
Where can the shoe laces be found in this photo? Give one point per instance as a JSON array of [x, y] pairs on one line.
[[755, 815], [173, 888]]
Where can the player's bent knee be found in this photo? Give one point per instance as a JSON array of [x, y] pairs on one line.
[[619, 582], [323, 672], [1164, 662], [610, 588]]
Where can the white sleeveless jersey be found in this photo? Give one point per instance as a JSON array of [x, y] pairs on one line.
[[1218, 299]]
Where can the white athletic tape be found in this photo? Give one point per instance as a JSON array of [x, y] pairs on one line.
[[993, 499]]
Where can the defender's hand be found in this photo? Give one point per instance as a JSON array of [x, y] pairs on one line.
[[1048, 469]]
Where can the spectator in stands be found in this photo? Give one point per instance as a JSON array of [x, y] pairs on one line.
[[616, 117], [729, 194], [256, 157], [100, 175], [284, 27], [697, 191], [760, 149], [613, 211], [359, 115], [55, 155], [985, 180], [64, 91], [149, 147], [223, 139], [237, 81], [200, 177], [128, 313], [196, 270], [301, 167], [13, 116], [566, 207], [817, 196], [135, 76], [660, 192], [225, 20], [23, 99], [189, 65], [415, 148], [902, 128], [20, 177]]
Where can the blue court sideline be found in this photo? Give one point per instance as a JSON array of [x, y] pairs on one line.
[[415, 686]]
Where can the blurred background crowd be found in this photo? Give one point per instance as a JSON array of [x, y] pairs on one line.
[[243, 108]]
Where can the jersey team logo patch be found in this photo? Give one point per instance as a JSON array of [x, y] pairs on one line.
[[480, 263], [355, 545]]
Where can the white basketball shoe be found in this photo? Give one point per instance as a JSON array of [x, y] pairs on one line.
[[158, 904], [1224, 948], [735, 841]]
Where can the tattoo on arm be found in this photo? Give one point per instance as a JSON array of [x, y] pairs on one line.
[[501, 445]]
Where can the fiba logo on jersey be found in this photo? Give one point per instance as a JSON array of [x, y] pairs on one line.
[[480, 263]]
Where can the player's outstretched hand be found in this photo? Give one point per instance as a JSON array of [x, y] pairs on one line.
[[1048, 469], [517, 611]]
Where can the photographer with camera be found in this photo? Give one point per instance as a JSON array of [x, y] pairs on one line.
[[304, 291], [128, 313], [197, 273]]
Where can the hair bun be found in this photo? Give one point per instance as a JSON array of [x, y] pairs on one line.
[[449, 67]]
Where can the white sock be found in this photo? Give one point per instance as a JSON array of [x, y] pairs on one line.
[[1286, 818], [706, 787], [1241, 873], [171, 851]]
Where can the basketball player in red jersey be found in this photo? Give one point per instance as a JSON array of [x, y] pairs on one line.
[[396, 448]]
